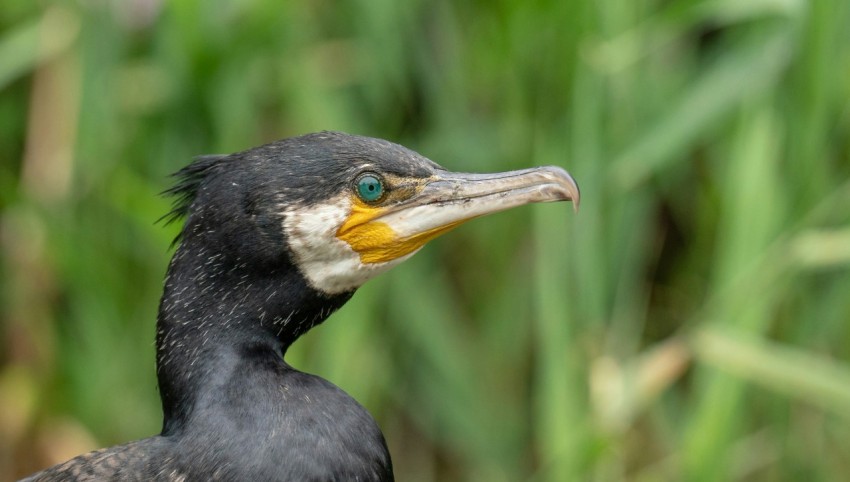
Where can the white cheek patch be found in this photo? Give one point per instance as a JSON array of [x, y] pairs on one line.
[[328, 263]]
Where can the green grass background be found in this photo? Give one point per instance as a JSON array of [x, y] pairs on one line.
[[692, 322]]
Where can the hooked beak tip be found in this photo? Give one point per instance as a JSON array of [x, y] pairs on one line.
[[565, 184]]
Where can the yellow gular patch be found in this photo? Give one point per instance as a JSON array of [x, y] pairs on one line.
[[375, 241]]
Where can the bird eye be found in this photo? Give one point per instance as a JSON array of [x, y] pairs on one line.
[[370, 188]]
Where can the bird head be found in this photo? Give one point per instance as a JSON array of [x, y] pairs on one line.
[[343, 208]]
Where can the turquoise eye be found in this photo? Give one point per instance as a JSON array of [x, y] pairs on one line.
[[370, 188]]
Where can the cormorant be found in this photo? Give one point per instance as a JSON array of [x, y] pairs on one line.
[[276, 239]]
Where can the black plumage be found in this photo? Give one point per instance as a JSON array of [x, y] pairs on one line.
[[236, 297]]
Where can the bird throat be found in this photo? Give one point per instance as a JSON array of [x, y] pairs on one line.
[[213, 308]]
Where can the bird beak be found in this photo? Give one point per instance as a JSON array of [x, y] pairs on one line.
[[447, 200]]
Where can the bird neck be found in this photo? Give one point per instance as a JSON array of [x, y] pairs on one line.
[[214, 309]]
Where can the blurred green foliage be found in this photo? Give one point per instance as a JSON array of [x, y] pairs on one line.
[[692, 322]]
